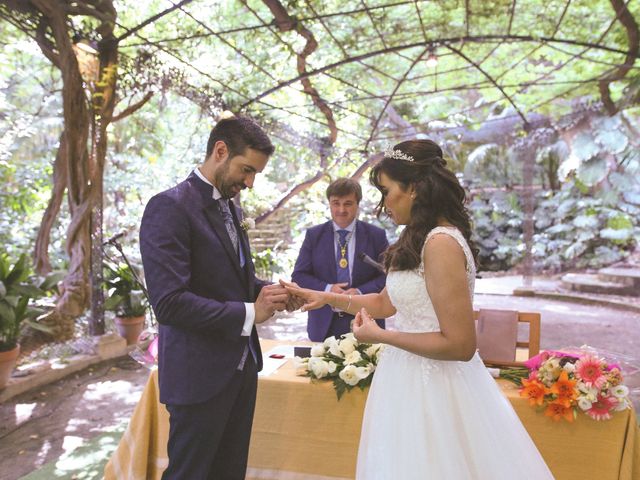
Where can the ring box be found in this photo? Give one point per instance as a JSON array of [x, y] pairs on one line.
[[302, 352]]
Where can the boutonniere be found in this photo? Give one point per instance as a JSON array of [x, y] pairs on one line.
[[248, 224]]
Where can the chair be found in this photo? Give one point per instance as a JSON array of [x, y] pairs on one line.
[[497, 336]]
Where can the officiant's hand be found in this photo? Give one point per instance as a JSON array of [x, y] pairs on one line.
[[365, 328], [311, 299]]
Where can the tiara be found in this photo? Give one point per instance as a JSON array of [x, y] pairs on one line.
[[390, 152]]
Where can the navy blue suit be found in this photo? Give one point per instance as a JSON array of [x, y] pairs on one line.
[[198, 290], [316, 267]]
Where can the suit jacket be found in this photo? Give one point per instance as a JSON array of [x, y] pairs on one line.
[[316, 267], [197, 290]]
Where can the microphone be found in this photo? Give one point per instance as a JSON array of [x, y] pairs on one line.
[[115, 237], [370, 261]]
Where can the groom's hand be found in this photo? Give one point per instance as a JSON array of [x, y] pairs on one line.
[[271, 298], [294, 302]]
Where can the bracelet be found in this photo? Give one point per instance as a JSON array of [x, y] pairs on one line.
[[348, 305]]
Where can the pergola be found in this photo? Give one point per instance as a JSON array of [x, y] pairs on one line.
[[333, 80]]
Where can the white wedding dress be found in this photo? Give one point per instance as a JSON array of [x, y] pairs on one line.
[[436, 419]]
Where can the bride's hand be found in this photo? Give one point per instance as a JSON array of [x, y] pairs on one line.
[[365, 328], [311, 299]]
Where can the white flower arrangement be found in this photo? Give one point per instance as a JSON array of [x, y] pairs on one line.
[[345, 361], [248, 224]]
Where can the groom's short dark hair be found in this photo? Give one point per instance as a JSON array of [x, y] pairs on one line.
[[239, 133], [342, 187]]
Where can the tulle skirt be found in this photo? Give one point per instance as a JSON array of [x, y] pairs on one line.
[[431, 419]]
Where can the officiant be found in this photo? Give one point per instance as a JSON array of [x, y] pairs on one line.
[[339, 256]]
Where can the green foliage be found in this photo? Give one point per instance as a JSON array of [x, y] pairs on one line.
[[125, 296], [17, 290], [266, 263]]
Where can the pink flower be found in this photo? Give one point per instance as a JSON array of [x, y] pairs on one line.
[[601, 408], [589, 370], [534, 362]]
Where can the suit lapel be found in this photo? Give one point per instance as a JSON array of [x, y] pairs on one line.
[[361, 247], [328, 247], [244, 245]]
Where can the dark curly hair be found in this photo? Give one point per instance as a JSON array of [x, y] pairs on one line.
[[439, 195]]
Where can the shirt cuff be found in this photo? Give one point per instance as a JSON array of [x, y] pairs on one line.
[[328, 287], [249, 319], [359, 291]]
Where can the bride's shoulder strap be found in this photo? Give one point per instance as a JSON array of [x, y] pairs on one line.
[[457, 235]]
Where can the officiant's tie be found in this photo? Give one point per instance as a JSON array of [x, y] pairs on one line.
[[225, 211], [342, 257]]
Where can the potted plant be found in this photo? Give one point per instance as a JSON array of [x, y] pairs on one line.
[[126, 298], [17, 289]]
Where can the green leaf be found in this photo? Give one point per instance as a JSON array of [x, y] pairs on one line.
[[593, 171], [7, 313], [584, 147], [51, 281]]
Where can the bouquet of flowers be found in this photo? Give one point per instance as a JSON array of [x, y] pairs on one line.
[[345, 361], [565, 383]]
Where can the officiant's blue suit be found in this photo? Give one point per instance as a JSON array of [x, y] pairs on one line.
[[198, 289], [316, 267]]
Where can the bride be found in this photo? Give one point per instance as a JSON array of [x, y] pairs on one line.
[[433, 410]]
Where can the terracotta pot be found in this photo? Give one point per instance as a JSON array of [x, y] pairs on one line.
[[7, 362], [130, 327]]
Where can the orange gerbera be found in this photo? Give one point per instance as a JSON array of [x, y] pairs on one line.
[[558, 411], [565, 389], [534, 390]]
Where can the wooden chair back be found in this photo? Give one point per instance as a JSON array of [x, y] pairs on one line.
[[524, 348]]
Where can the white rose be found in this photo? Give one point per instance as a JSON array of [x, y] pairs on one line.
[[319, 367], [569, 367], [332, 366], [301, 365], [329, 341], [372, 351], [318, 350], [349, 375], [353, 357], [623, 404], [334, 349], [584, 404], [347, 346], [363, 372], [350, 337], [620, 391]]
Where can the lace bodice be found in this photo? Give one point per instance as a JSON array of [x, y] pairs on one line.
[[408, 292]]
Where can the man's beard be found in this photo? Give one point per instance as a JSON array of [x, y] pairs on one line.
[[224, 184]]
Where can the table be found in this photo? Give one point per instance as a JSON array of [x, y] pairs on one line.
[[301, 431]]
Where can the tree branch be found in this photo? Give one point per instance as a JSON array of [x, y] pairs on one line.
[[132, 108], [453, 40], [625, 17], [152, 19]]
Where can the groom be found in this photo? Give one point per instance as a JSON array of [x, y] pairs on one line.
[[206, 297]]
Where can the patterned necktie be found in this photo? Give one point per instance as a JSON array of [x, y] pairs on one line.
[[225, 211], [342, 257]]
